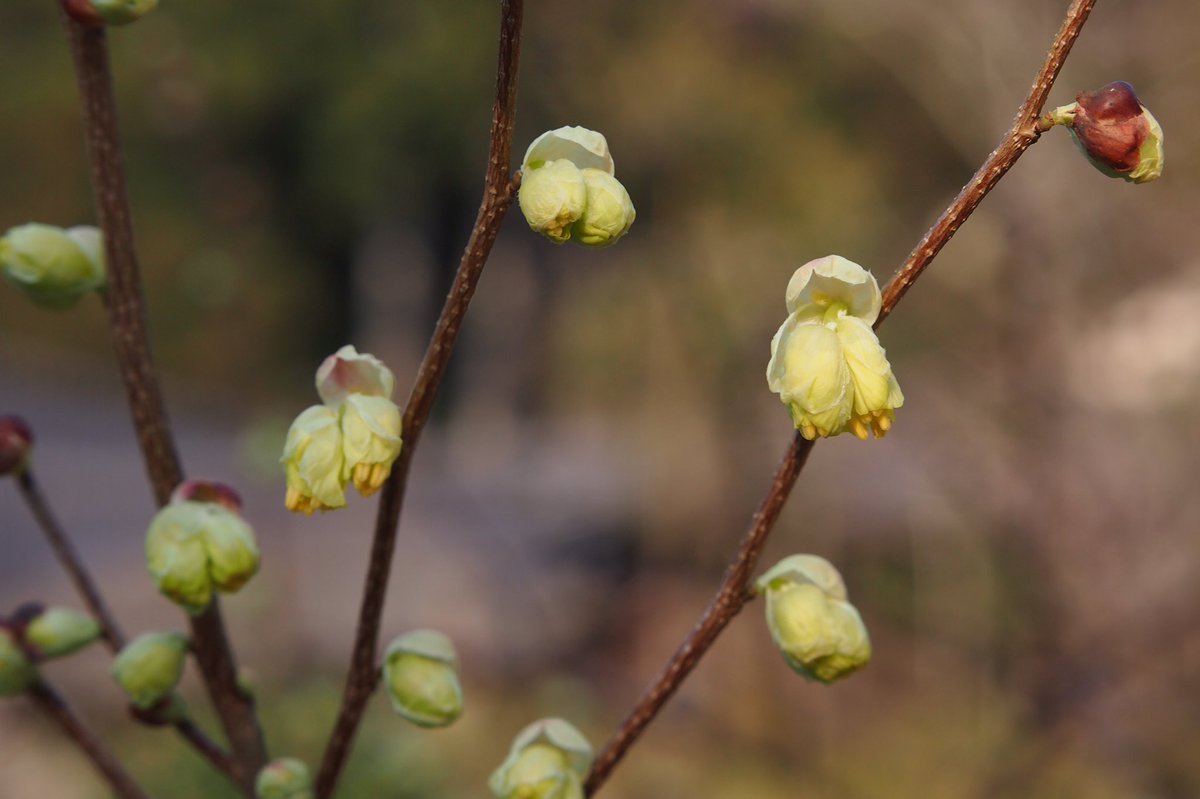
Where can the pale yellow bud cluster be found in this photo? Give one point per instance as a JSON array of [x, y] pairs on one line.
[[569, 191], [354, 437], [819, 633], [826, 362]]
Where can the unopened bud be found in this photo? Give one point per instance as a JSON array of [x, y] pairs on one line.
[[420, 673], [53, 266], [56, 632], [1116, 133], [149, 667], [819, 633], [568, 189], [194, 548], [609, 212], [549, 759], [16, 445], [17, 673], [284, 778]]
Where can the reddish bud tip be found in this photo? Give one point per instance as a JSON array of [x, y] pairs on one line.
[[208, 491], [1111, 126], [82, 12], [16, 442]]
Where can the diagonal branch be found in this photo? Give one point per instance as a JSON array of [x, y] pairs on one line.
[[734, 590], [68, 556], [127, 324], [56, 707], [498, 194]]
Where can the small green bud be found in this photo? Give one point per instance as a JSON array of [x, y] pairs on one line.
[[194, 548], [16, 445], [420, 673], [53, 266], [60, 631], [284, 778], [609, 212], [819, 633], [17, 673], [548, 760], [149, 667]]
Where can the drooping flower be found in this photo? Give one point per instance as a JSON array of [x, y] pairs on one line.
[[354, 437], [818, 632], [826, 362]]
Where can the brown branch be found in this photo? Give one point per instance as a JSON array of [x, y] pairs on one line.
[[734, 590], [731, 596], [127, 323], [1024, 132], [123, 290], [498, 193], [106, 763], [68, 556]]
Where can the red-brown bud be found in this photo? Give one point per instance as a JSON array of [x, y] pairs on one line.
[[82, 11], [16, 443], [1110, 125]]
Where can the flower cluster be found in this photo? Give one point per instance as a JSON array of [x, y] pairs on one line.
[[819, 633], [569, 191], [198, 543], [826, 363], [354, 436]]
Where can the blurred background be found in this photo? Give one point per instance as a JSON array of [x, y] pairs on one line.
[[1023, 547]]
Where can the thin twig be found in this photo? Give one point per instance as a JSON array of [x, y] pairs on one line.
[[499, 190], [69, 557], [127, 323], [734, 590], [71, 561], [123, 290], [106, 763]]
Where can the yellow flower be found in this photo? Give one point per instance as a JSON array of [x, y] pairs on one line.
[[826, 362], [353, 438], [314, 461]]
